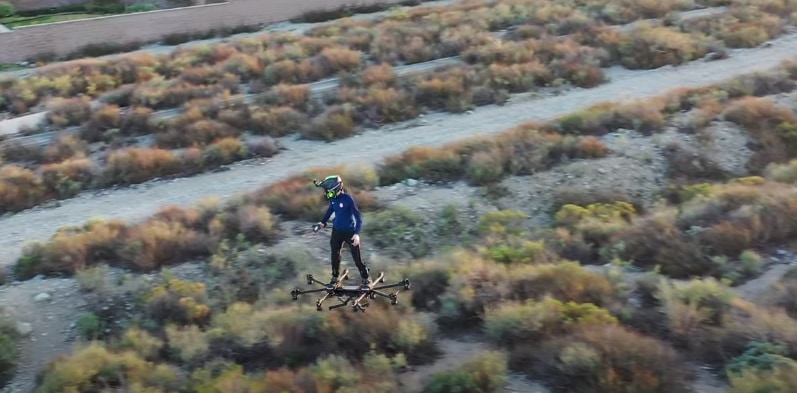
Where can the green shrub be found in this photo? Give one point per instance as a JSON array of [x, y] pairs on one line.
[[533, 321], [763, 367], [484, 373], [8, 350], [90, 326], [7, 9], [397, 226]]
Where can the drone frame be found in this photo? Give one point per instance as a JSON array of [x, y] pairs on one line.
[[352, 294]]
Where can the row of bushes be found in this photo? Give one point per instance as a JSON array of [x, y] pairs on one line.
[[208, 130], [74, 172], [415, 37]]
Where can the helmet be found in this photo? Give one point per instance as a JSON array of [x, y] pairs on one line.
[[331, 185]]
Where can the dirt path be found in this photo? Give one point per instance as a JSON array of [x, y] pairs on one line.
[[46, 312], [370, 147]]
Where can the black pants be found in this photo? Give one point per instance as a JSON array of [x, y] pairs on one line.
[[336, 242]]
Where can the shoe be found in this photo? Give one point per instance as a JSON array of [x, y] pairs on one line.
[[366, 283], [334, 281]]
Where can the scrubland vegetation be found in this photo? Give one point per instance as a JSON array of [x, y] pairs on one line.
[[114, 135], [528, 291]]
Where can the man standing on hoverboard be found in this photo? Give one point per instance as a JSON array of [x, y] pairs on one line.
[[345, 227]]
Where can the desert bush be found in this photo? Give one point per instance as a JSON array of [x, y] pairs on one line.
[[400, 225], [773, 127], [65, 112], [65, 147], [107, 117], [609, 358], [693, 307], [137, 165], [143, 246], [486, 372], [533, 321], [20, 188], [300, 338], [66, 179], [652, 47], [474, 284], [179, 302], [763, 367], [94, 366], [335, 123], [274, 121]]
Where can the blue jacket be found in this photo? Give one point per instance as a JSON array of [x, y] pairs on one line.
[[347, 214]]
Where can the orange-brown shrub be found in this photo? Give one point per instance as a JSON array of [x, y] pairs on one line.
[[224, 151], [275, 121], [381, 74], [381, 105], [69, 177], [194, 133], [105, 118], [332, 60], [773, 126], [137, 121], [65, 112], [295, 96], [20, 188], [65, 147], [136, 165]]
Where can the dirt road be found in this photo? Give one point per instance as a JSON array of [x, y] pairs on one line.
[[370, 147]]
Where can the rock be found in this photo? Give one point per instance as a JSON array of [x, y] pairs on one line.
[[24, 329], [411, 182], [781, 252], [42, 297]]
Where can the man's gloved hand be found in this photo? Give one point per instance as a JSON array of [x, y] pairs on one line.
[[318, 226], [355, 240]]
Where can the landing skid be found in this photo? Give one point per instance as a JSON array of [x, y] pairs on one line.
[[353, 294]]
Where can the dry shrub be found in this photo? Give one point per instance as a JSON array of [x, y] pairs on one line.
[[65, 112], [20, 188], [380, 105], [276, 121], [67, 178], [693, 308], [420, 162], [447, 90], [301, 338], [652, 47], [137, 165], [656, 241], [609, 358], [336, 122], [263, 147], [65, 147], [137, 121], [774, 128], [531, 322], [194, 133], [295, 96], [332, 60], [93, 366], [103, 119], [475, 284], [381, 75], [224, 151]]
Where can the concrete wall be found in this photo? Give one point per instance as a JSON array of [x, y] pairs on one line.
[[63, 38], [26, 5]]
